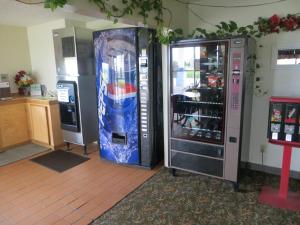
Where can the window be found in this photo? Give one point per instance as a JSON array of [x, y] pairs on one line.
[[288, 57]]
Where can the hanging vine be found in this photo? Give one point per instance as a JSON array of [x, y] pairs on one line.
[[124, 8], [261, 27], [53, 4], [226, 30], [154, 9]]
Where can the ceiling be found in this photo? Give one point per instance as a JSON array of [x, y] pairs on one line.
[[19, 14], [232, 2], [237, 2]]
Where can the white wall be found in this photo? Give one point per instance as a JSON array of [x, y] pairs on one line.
[[179, 14], [276, 81], [42, 52], [14, 52], [100, 25], [280, 81], [42, 49]]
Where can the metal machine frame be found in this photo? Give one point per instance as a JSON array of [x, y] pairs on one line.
[[81, 70], [237, 118]]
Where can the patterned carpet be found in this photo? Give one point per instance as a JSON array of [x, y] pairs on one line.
[[190, 199]]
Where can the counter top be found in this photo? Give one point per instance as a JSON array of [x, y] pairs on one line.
[[30, 99]]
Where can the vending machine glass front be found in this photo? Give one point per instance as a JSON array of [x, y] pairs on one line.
[[198, 81]]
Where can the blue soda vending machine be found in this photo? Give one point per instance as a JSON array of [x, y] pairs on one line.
[[129, 91]]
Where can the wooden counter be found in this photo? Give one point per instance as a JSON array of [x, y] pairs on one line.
[[23, 99], [30, 119]]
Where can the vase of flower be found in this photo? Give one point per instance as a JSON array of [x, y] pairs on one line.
[[23, 80], [24, 91], [21, 91]]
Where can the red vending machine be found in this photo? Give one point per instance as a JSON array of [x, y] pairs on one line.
[[283, 129], [284, 121]]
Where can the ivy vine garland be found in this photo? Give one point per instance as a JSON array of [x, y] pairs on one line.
[[155, 8], [142, 8], [261, 27]]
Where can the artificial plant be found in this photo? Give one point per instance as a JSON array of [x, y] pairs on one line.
[[145, 8], [154, 9]]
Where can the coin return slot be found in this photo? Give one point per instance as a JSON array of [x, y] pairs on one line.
[[119, 138]]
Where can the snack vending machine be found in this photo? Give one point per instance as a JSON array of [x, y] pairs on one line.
[[284, 120], [129, 91], [210, 100]]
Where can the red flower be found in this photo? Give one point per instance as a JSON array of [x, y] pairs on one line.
[[275, 30], [22, 72], [290, 23], [19, 75], [274, 20]]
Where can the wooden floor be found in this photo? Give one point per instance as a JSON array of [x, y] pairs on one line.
[[33, 194]]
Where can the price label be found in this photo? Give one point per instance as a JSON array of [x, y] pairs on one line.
[[275, 136], [288, 137]]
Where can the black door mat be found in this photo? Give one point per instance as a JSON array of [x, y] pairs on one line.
[[60, 160]]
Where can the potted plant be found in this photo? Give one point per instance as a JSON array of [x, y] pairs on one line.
[[23, 80]]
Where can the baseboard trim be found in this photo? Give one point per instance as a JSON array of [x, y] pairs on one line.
[[268, 169]]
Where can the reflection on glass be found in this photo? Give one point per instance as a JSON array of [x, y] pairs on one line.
[[121, 76], [183, 59], [197, 95]]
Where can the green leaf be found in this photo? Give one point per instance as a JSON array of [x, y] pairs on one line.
[[53, 4], [202, 31], [218, 26], [232, 26], [251, 27], [224, 26], [178, 31], [241, 30]]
